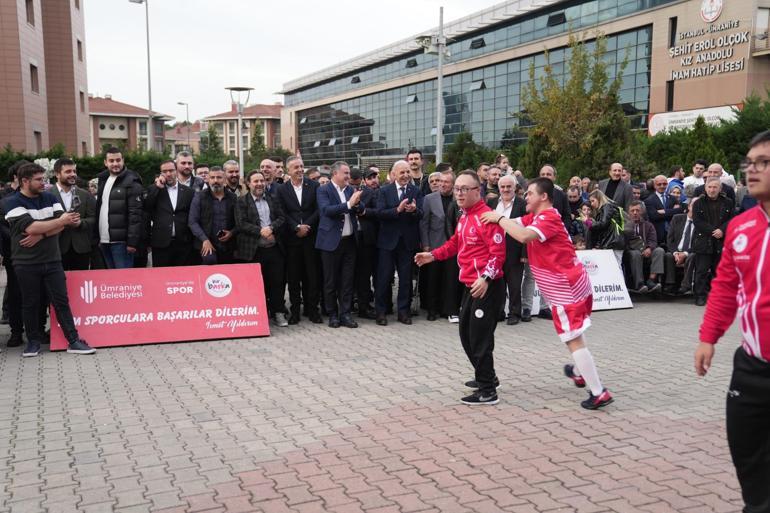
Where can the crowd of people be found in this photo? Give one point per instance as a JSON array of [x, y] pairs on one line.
[[336, 237]]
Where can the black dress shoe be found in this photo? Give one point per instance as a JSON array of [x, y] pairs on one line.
[[512, 320], [432, 316], [382, 320], [315, 318], [368, 314], [294, 318], [700, 301], [526, 315], [334, 322], [347, 321], [404, 318], [545, 314]]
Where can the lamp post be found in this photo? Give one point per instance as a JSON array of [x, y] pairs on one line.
[[150, 132], [437, 45], [187, 118], [236, 94]]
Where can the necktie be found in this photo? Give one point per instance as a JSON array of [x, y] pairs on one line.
[[402, 191], [687, 235]]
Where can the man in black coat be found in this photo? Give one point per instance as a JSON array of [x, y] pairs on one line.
[[366, 260], [119, 219], [509, 204], [212, 220], [710, 216], [297, 197], [715, 170], [259, 221], [167, 204]]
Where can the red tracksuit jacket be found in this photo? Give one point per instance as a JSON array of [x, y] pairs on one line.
[[480, 248], [742, 284]]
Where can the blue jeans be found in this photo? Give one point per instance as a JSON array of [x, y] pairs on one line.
[[116, 256]]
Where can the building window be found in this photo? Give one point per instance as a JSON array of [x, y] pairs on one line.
[[411, 98], [83, 148], [143, 128], [232, 141], [80, 50], [411, 63], [34, 79], [478, 85], [303, 121], [121, 127], [332, 141], [669, 96], [82, 101], [231, 126], [38, 141], [102, 126], [30, 12], [355, 80], [672, 23], [77, 4], [316, 144], [354, 140], [478, 43], [556, 19]]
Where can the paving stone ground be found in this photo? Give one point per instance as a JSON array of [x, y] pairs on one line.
[[319, 420]]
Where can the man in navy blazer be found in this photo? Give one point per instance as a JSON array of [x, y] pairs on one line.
[[336, 239], [399, 209], [661, 208]]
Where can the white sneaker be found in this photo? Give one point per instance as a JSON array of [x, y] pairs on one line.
[[280, 320], [454, 319]]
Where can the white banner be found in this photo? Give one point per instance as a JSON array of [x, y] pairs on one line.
[[685, 119], [609, 287]]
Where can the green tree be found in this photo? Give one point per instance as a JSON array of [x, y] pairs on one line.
[[465, 153], [257, 146], [576, 121]]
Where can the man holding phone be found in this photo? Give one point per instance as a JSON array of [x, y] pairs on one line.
[[212, 220], [74, 241]]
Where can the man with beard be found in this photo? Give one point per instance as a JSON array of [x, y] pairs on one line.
[[419, 179], [233, 178], [184, 168], [212, 220], [74, 241]]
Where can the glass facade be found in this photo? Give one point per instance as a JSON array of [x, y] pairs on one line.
[[544, 23], [483, 101]]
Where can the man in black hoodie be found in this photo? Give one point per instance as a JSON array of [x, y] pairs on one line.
[[118, 211]]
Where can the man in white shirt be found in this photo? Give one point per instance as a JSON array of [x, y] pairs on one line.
[[697, 178], [75, 242]]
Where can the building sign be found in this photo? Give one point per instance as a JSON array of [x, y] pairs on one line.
[[715, 49], [121, 307], [609, 287], [685, 119]]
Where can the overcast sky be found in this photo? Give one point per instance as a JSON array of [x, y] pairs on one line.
[[198, 47]]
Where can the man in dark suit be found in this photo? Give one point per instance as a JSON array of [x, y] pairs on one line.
[[75, 242], [679, 253], [399, 209], [259, 221], [168, 206], [512, 206], [615, 188], [299, 203], [433, 234], [661, 208], [710, 216], [366, 252], [338, 205], [418, 178]]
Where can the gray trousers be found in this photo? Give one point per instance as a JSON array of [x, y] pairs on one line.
[[528, 291], [636, 264], [689, 267]]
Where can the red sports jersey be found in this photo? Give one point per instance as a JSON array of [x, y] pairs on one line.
[[559, 274]]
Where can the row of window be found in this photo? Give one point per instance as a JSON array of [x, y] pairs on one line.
[[484, 101], [545, 23]]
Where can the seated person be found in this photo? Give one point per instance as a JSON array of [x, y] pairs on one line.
[[679, 257], [642, 248]]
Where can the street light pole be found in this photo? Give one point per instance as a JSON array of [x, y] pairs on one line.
[[187, 118], [237, 92], [441, 46], [150, 132]]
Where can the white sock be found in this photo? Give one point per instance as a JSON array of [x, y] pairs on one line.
[[587, 368]]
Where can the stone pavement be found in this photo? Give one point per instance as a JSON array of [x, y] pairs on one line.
[[314, 419]]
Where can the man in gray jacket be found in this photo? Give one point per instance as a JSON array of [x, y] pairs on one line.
[[615, 188]]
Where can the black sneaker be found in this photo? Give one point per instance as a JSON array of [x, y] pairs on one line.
[[477, 398], [595, 402], [80, 347], [474, 384], [15, 340], [569, 371], [32, 349]]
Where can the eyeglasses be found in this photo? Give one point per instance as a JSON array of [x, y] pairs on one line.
[[759, 165], [463, 190]]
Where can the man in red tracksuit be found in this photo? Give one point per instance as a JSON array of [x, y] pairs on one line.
[[742, 285], [480, 250]]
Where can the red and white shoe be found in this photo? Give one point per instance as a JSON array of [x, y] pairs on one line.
[[569, 371], [594, 402]]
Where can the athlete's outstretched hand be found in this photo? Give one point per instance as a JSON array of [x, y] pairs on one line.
[[703, 355], [423, 258]]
